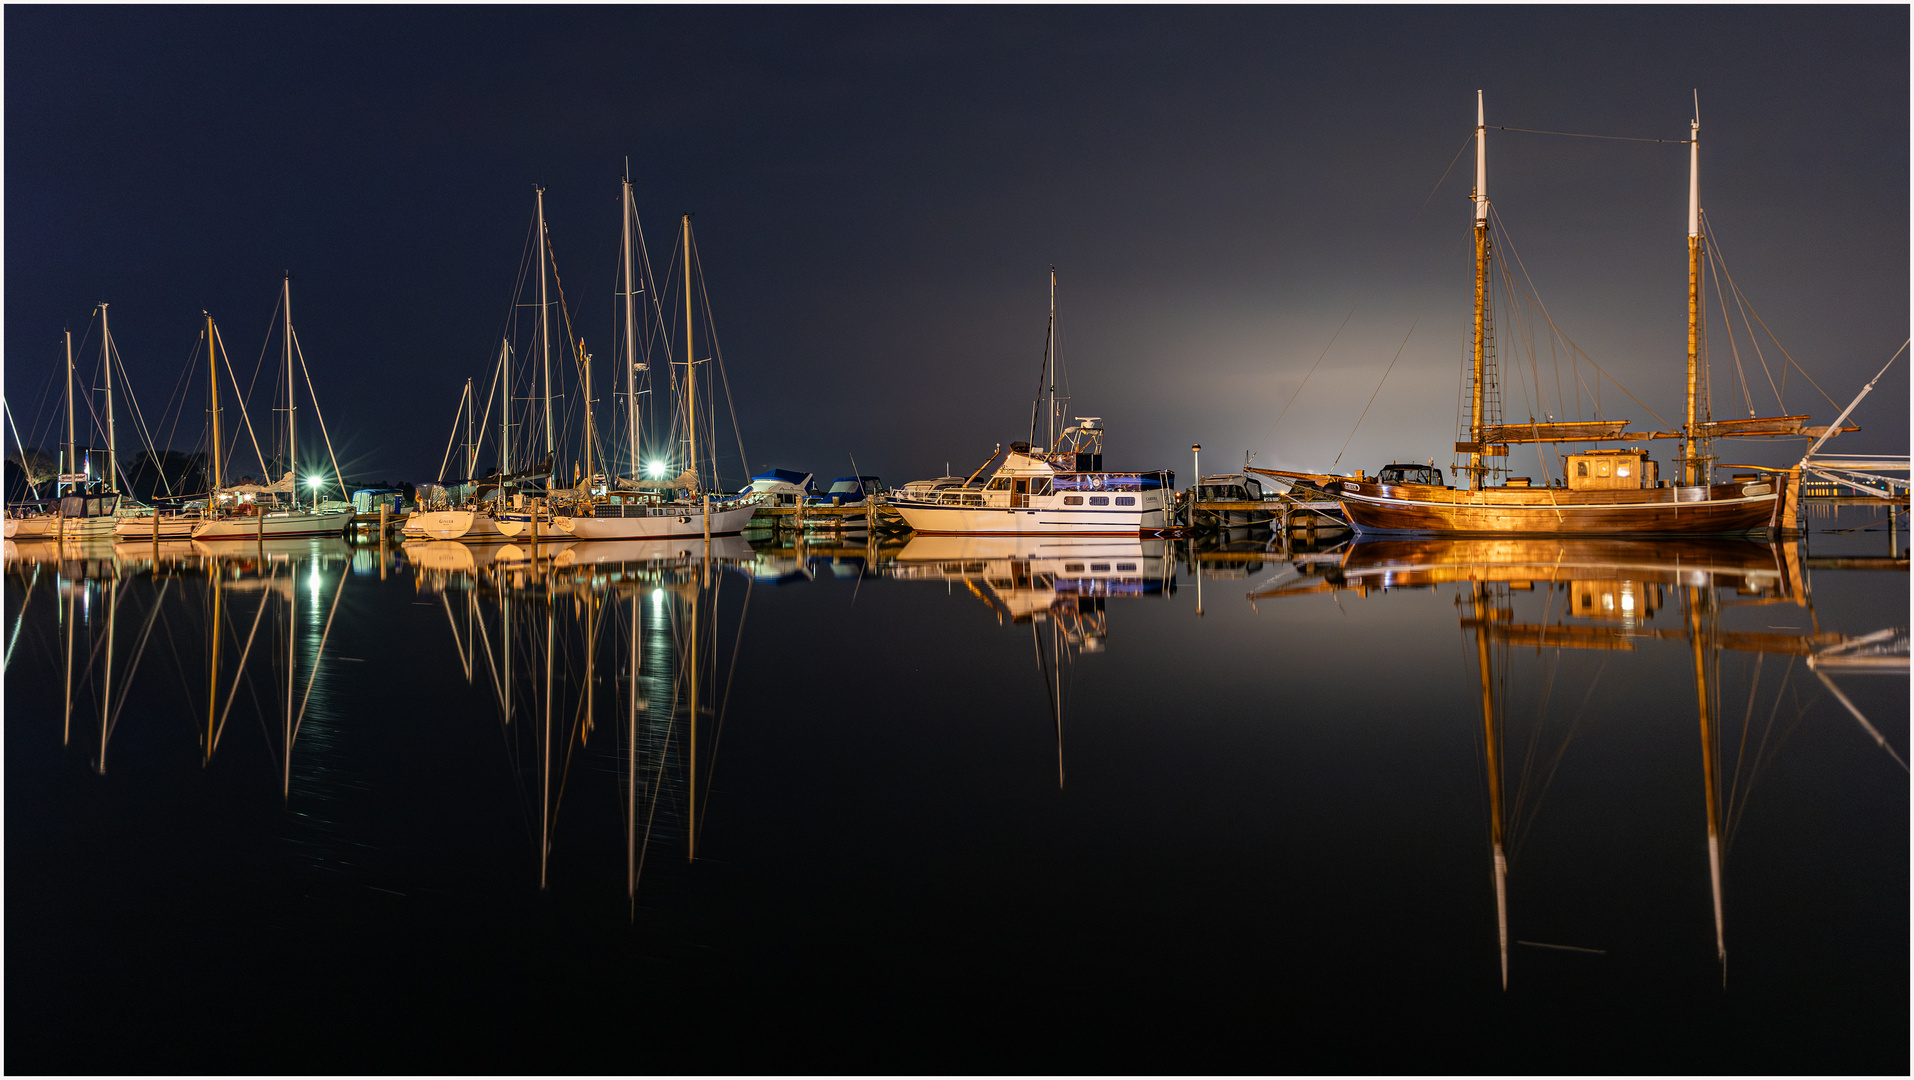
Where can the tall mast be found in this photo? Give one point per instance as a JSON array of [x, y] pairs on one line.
[[1691, 470], [1476, 401], [691, 371], [631, 339], [471, 450], [544, 321], [584, 372], [72, 440], [504, 410], [112, 444], [1050, 437], [212, 379], [292, 404]]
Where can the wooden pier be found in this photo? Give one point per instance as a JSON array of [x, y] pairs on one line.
[[831, 519]]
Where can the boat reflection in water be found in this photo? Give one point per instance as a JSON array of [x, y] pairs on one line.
[[1613, 596], [243, 600], [1054, 583], [539, 634]]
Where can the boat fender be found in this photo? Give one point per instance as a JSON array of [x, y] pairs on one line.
[[684, 521]]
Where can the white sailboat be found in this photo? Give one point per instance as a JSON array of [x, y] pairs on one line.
[[634, 516], [256, 521], [75, 516], [157, 527]]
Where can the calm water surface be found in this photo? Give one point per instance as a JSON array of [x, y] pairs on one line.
[[957, 806]]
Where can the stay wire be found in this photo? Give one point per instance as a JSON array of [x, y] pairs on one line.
[[1378, 390], [1312, 370]]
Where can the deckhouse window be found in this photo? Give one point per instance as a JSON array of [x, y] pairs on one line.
[[1099, 500], [1126, 500], [1073, 500]]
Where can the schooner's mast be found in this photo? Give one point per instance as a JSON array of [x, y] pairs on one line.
[[631, 339], [112, 444], [1481, 196], [691, 370], [544, 321], [1692, 472]]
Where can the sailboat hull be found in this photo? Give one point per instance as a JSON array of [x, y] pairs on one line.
[[677, 523], [1720, 509], [171, 527], [455, 525], [282, 525], [50, 527]]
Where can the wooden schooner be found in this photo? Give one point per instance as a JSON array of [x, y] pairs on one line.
[[1605, 492]]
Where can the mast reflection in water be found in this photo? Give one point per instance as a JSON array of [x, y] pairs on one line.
[[1413, 806]]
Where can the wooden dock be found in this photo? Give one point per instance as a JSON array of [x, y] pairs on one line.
[[831, 519]]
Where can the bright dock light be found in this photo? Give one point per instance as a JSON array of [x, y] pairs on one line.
[[656, 468]]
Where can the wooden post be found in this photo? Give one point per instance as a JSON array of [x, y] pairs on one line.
[[156, 537], [259, 524], [1791, 501]]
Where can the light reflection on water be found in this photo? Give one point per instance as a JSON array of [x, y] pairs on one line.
[[1465, 767]]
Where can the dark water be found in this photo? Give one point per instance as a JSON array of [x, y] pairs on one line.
[[952, 807]]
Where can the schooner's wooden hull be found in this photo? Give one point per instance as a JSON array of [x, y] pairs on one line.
[[1720, 509]]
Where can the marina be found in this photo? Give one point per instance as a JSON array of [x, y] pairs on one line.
[[814, 652]]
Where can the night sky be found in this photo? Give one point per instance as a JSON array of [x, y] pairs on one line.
[[880, 193]]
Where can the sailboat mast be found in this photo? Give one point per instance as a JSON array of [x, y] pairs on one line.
[[292, 404], [72, 440], [504, 411], [1476, 401], [112, 444], [631, 339], [1050, 437], [591, 429], [471, 449], [691, 370], [212, 380], [544, 322], [1691, 471]]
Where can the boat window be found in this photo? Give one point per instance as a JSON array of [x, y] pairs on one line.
[[1073, 567], [1126, 566], [1040, 486], [1126, 500], [1099, 568], [1099, 500], [1001, 483], [1581, 468], [1073, 500]]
